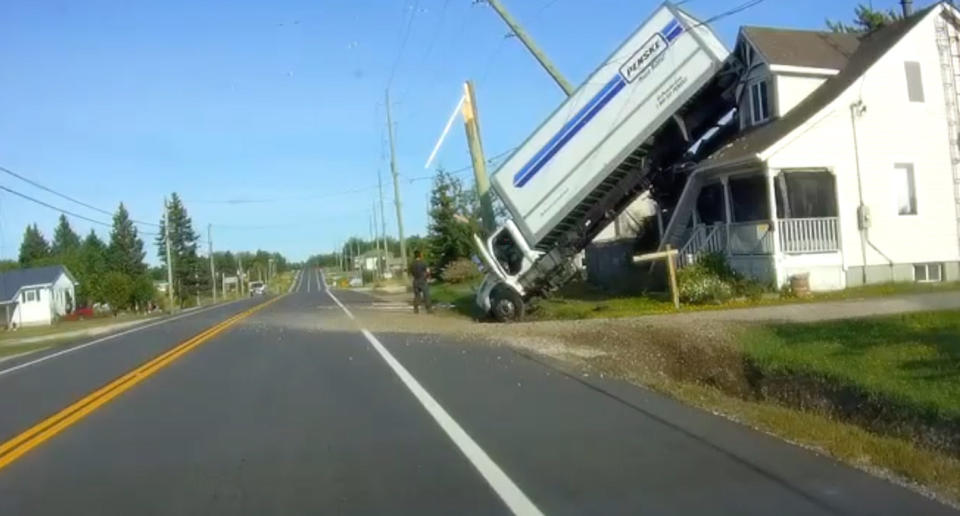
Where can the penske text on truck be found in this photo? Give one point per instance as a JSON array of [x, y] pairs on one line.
[[640, 110]]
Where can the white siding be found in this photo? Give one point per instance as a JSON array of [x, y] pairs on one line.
[[892, 130], [34, 312], [638, 210], [791, 89], [64, 295]]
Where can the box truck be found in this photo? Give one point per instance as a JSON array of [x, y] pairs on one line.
[[636, 115]]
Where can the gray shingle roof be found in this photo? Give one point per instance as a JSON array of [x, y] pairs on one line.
[[758, 139], [815, 49], [12, 280]]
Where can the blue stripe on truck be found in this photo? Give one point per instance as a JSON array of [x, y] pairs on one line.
[[670, 32]]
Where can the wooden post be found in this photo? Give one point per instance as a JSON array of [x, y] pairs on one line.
[[672, 274]]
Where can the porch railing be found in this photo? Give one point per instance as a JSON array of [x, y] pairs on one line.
[[810, 235], [703, 239], [751, 238]]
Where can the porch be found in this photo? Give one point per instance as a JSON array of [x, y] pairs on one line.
[[761, 217]]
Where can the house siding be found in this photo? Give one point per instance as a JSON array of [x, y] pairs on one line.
[[892, 130], [791, 89], [33, 312]]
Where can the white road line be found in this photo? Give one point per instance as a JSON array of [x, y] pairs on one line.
[[337, 301], [296, 279], [308, 285], [320, 288], [108, 337], [506, 489]]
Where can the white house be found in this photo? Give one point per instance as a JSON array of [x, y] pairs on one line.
[[847, 165], [37, 295]]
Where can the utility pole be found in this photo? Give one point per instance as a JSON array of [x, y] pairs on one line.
[[532, 47], [476, 155], [383, 221], [213, 268], [166, 238], [376, 236], [240, 272], [396, 192]]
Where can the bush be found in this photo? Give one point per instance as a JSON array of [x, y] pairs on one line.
[[116, 290], [460, 270], [699, 285]]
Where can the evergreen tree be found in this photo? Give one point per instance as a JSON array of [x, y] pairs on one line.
[[183, 249], [90, 269], [866, 19], [125, 253], [34, 247], [65, 241], [451, 226]]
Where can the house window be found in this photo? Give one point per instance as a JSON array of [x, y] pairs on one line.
[[748, 199], [905, 189], [29, 296], [760, 102], [914, 81], [928, 272]]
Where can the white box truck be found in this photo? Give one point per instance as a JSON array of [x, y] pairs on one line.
[[637, 114]]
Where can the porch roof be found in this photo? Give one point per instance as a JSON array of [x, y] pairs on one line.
[[749, 145]]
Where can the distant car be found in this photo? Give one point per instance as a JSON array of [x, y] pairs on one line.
[[257, 288]]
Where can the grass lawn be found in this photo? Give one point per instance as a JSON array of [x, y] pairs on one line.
[[460, 295], [911, 359], [583, 301], [16, 349], [65, 326]]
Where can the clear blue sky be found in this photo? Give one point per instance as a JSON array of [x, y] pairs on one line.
[[111, 101]]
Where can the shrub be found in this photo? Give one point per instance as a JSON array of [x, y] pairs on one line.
[[699, 285], [116, 290], [459, 271]]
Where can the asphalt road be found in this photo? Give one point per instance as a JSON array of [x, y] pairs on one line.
[[287, 413]]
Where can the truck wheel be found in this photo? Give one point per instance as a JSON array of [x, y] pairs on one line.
[[506, 305]]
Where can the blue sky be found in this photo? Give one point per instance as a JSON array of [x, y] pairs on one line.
[[282, 102]]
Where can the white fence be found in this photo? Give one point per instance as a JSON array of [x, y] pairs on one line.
[[810, 235]]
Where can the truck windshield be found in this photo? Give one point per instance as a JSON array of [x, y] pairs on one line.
[[507, 253]]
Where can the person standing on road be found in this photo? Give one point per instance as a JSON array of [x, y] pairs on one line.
[[421, 288]]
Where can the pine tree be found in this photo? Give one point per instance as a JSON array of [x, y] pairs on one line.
[[866, 19], [90, 270], [34, 247], [183, 249], [125, 253], [450, 229], [65, 241]]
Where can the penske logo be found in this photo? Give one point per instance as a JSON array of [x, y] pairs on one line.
[[641, 60]]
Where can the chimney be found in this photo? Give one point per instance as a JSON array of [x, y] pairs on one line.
[[907, 6]]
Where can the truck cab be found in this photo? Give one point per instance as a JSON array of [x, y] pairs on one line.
[[506, 257]]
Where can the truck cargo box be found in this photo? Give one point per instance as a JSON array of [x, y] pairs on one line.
[[550, 181]]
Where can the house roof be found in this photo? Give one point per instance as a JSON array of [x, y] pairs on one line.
[[809, 48], [13, 280], [757, 139]]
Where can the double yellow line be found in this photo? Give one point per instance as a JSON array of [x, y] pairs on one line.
[[51, 426]]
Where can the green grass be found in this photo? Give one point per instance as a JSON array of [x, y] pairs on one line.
[[460, 295], [910, 359], [16, 349], [65, 326], [583, 301]]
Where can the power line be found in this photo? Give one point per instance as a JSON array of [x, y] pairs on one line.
[[63, 211], [270, 200], [461, 170], [67, 197], [740, 8], [403, 42]]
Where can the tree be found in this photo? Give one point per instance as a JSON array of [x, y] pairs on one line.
[[125, 253], [866, 19], [116, 290], [141, 292], [451, 226], [183, 249], [6, 265], [64, 239], [90, 269], [33, 247]]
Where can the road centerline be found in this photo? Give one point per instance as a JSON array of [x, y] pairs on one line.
[[511, 495], [39, 433]]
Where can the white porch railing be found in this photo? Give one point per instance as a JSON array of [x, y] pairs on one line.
[[810, 235], [703, 239]]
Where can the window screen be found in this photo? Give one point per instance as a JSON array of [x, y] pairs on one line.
[[710, 204], [758, 94], [904, 188], [927, 272], [30, 295], [914, 81], [806, 194], [748, 198]]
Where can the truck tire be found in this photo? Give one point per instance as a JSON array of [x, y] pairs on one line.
[[506, 305]]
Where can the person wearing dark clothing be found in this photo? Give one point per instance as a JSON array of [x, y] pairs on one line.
[[421, 286]]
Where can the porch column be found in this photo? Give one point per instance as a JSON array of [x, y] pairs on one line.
[[774, 222], [727, 211]]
